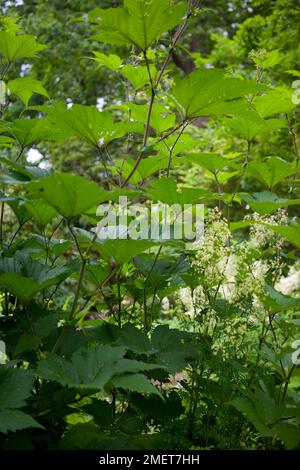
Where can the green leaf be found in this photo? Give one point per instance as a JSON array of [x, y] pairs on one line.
[[162, 118], [25, 88], [278, 302], [131, 365], [175, 348], [29, 131], [147, 167], [18, 168], [138, 76], [3, 91], [275, 102], [42, 212], [271, 171], [25, 277], [15, 420], [167, 191], [88, 368], [134, 340], [111, 61], [73, 194], [267, 202], [6, 141], [138, 22], [122, 251], [82, 436], [13, 46], [26, 342], [46, 324], [160, 411], [208, 91], [249, 124], [247, 409], [211, 161], [135, 383], [96, 273], [265, 58], [23, 288], [129, 423], [20, 210], [291, 233], [102, 412], [15, 387], [288, 433], [86, 122]]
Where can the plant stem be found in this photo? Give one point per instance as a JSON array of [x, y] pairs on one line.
[[1, 223], [119, 298], [296, 152], [173, 147], [286, 383], [72, 313], [154, 86]]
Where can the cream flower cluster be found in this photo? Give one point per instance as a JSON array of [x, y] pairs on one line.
[[235, 272]]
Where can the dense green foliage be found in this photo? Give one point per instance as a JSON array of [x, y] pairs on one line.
[[148, 344]]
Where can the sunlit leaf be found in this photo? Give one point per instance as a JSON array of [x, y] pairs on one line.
[[25, 88], [137, 22]]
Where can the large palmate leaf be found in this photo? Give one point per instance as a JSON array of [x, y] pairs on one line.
[[29, 131], [24, 288], [20, 210], [209, 91], [249, 124], [130, 337], [175, 348], [167, 191], [25, 88], [86, 123], [275, 102], [267, 202], [15, 420], [162, 118], [25, 277], [41, 212], [134, 340], [13, 46], [18, 168], [122, 251], [277, 302], [6, 141], [138, 22], [69, 194], [93, 368], [18, 173], [271, 171], [267, 416], [135, 383], [164, 270], [15, 388], [247, 408], [147, 167], [290, 232], [211, 161]]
